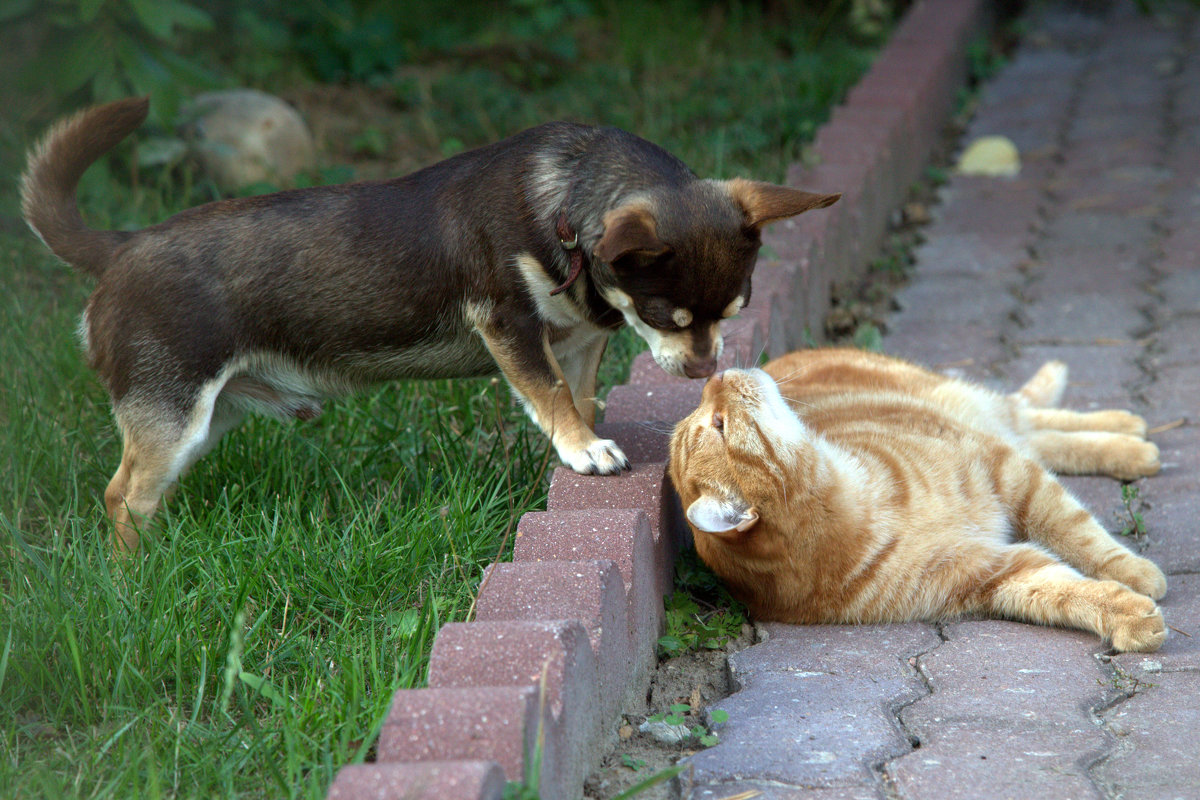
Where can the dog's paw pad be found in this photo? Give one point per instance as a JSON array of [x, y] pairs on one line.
[[601, 457]]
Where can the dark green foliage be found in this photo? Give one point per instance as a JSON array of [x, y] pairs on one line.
[[700, 614]]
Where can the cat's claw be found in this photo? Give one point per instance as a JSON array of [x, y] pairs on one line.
[[1140, 633]]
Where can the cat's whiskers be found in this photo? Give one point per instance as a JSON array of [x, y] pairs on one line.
[[652, 427]]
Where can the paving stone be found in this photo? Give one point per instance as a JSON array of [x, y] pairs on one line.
[[967, 349], [1109, 237], [1174, 351], [804, 728], [1008, 764], [813, 704], [645, 486], [1131, 190], [497, 724], [983, 206], [652, 402], [834, 649], [1091, 273], [1080, 317], [993, 256], [1179, 447], [554, 657], [1181, 295], [645, 369], [624, 536], [1171, 502], [955, 299], [1181, 651], [791, 240], [1157, 729], [1175, 392], [1009, 710], [439, 780], [1181, 250], [641, 442], [590, 592], [776, 791]]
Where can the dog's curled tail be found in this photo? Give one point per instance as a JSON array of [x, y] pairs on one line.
[[53, 172]]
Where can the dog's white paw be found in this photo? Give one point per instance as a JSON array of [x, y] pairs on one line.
[[601, 457]]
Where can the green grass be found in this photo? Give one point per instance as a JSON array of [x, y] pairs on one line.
[[318, 559], [298, 576]]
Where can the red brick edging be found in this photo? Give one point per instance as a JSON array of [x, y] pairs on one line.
[[581, 602]]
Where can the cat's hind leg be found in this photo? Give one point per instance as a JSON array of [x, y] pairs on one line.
[[1029, 584], [1042, 511], [1108, 420], [1038, 399], [1045, 389], [1081, 452]]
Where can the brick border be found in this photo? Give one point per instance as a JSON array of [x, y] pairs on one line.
[[581, 601]]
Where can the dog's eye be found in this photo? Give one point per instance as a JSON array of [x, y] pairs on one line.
[[718, 422], [681, 317]]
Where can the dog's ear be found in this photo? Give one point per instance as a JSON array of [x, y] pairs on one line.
[[628, 230], [767, 202]]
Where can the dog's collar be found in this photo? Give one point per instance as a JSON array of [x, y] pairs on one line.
[[569, 240]]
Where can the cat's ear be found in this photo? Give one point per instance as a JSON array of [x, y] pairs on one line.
[[714, 515]]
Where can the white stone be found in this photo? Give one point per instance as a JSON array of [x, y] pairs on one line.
[[244, 136]]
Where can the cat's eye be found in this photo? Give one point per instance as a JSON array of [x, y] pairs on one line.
[[718, 421]]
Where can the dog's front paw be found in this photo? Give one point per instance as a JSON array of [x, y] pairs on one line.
[[600, 457]]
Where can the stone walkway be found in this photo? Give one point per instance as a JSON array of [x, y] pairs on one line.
[[1090, 256]]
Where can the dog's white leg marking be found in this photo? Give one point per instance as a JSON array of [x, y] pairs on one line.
[[579, 367], [537, 380], [157, 449]]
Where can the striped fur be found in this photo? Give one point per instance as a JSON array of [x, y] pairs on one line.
[[843, 486]]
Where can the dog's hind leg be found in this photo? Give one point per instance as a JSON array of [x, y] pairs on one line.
[[159, 444]]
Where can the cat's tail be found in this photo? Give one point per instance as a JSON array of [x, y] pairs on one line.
[[1045, 389], [53, 172]]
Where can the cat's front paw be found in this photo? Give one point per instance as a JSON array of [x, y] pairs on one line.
[[1140, 574], [599, 457], [1141, 631]]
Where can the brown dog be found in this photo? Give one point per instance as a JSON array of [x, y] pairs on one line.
[[522, 255]]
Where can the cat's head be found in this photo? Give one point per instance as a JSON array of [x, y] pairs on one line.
[[735, 455]]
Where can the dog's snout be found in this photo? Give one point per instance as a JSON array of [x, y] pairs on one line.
[[700, 368]]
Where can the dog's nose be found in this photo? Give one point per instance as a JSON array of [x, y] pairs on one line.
[[700, 369]]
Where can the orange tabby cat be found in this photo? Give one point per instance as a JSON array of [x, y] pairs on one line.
[[872, 490]]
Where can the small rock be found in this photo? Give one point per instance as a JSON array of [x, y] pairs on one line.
[[664, 732], [244, 136], [916, 214], [625, 732]]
